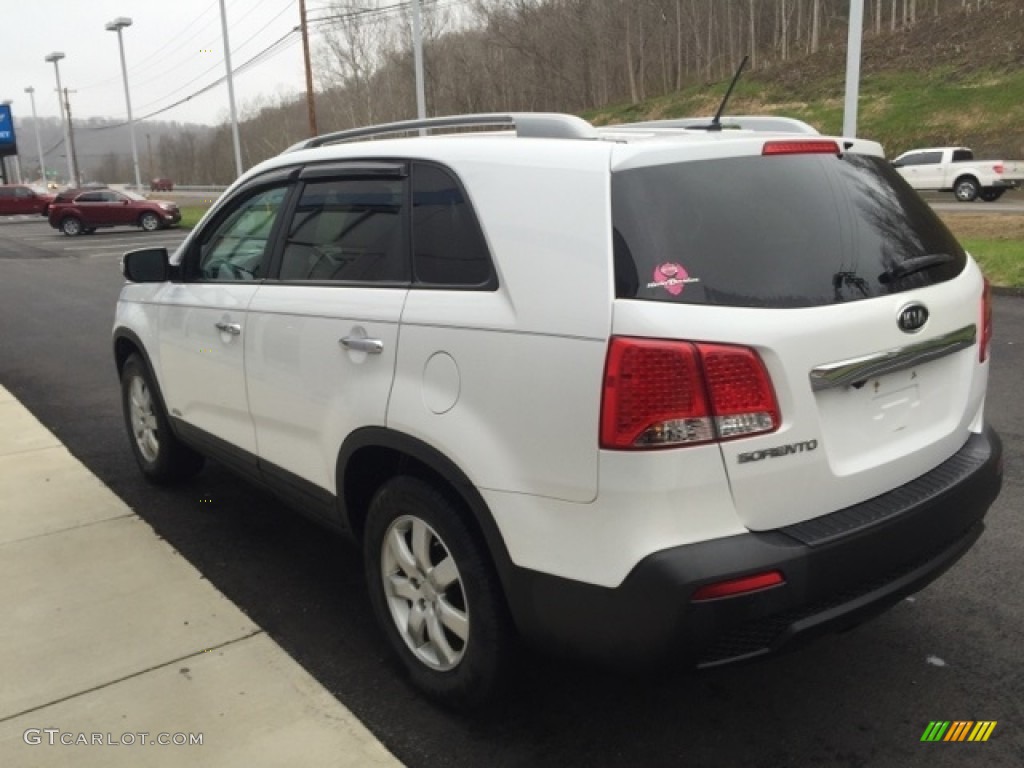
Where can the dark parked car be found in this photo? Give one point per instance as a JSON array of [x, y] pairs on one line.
[[78, 211], [21, 198], [161, 185]]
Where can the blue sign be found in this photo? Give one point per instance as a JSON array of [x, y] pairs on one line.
[[8, 144]]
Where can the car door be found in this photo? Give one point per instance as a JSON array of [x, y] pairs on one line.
[[118, 209], [7, 201], [203, 320], [323, 335], [90, 207], [931, 170]]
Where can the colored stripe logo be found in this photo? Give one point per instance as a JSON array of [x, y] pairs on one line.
[[959, 730]]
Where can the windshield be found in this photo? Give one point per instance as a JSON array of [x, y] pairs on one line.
[[133, 195], [781, 231]]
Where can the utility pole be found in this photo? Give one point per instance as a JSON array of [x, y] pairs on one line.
[[149, 154], [75, 180], [310, 99]]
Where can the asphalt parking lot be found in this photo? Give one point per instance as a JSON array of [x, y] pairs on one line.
[[863, 698]]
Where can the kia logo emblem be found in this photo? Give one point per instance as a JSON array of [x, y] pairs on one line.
[[912, 318]]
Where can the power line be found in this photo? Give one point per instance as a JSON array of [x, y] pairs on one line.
[[278, 46], [219, 63], [271, 50], [175, 40]]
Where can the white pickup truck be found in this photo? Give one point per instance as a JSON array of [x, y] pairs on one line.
[[954, 168]]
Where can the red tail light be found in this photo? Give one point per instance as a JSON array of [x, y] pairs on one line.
[[800, 148], [741, 586], [660, 394], [986, 321], [742, 396], [998, 167]]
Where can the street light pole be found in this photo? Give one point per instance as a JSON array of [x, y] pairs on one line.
[[35, 124], [853, 54], [71, 140], [231, 90], [55, 57], [417, 55], [116, 26]]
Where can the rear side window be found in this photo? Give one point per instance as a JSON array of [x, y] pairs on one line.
[[348, 230], [785, 231], [448, 246], [962, 156]]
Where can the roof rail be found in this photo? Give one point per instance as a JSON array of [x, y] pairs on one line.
[[758, 123], [538, 125]]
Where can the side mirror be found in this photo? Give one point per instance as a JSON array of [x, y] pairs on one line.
[[148, 265]]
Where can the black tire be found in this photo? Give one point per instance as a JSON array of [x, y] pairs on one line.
[[71, 226], [455, 671], [149, 221], [991, 194], [160, 455], [966, 189]]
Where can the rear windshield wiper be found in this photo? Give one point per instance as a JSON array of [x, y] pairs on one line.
[[914, 265]]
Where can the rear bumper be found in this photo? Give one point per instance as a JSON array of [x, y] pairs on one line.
[[839, 570], [1006, 183]]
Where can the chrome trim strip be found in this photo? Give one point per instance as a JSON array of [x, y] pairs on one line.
[[859, 369]]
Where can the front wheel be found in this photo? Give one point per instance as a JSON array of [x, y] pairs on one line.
[[435, 594], [149, 222], [966, 190], [159, 454], [71, 226]]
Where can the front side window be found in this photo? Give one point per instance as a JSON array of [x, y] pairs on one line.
[[348, 230], [237, 247]]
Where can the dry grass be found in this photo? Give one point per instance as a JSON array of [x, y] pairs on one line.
[[985, 226]]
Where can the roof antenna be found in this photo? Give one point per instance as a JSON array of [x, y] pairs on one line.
[[716, 121]]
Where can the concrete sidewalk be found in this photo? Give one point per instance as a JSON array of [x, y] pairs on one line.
[[111, 643]]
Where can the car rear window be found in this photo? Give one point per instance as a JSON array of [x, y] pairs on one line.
[[777, 231]]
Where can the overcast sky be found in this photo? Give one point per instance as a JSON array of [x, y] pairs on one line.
[[172, 50]]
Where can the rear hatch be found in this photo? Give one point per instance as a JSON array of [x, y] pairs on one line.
[[864, 309]]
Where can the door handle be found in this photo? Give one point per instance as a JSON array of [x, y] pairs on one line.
[[373, 346], [233, 328]]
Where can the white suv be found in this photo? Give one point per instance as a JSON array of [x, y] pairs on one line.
[[632, 393]]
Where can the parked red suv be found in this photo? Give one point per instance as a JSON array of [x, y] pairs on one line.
[[20, 198], [87, 210], [161, 185]]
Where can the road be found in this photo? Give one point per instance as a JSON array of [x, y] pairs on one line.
[[858, 699]]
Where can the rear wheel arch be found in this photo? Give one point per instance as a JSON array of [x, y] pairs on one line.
[[373, 455]]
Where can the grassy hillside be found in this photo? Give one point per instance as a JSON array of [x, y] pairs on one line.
[[956, 79]]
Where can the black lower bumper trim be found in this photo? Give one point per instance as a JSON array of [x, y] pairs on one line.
[[839, 570]]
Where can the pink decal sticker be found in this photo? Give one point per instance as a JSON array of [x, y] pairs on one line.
[[671, 277]]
